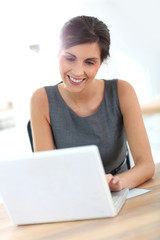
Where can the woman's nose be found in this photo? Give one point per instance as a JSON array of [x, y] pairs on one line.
[[78, 69]]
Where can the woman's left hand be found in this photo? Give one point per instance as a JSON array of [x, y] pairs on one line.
[[114, 182]]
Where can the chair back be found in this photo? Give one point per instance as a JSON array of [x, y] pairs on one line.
[[29, 129]]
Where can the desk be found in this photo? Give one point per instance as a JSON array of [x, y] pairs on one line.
[[139, 218]]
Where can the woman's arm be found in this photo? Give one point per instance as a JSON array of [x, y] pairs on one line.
[[40, 121], [137, 140]]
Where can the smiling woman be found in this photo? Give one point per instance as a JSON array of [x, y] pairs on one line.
[[83, 110], [79, 64]]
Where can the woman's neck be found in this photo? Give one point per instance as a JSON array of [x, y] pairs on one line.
[[85, 102]]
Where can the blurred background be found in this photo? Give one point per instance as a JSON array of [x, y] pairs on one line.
[[28, 58]]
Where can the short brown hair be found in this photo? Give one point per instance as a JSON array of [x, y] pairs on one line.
[[86, 29]]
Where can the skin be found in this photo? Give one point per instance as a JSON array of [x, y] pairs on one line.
[[82, 62]]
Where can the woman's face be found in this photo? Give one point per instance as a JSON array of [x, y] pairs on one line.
[[79, 65]]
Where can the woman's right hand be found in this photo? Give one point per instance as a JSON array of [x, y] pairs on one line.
[[114, 182]]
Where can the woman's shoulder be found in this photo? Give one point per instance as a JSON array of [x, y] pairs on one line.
[[39, 96], [124, 85], [125, 89], [127, 95], [39, 103]]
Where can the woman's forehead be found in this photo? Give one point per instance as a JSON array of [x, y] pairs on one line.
[[86, 50]]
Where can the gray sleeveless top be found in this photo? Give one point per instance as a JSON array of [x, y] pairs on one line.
[[103, 128]]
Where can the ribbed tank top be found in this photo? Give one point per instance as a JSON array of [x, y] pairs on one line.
[[103, 128]]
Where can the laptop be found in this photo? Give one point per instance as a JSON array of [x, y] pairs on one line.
[[58, 185]]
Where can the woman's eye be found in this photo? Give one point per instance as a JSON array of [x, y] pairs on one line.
[[69, 59], [90, 63]]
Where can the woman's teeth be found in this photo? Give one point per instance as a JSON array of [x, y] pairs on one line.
[[75, 80]]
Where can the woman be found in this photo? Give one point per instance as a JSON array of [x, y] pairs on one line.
[[83, 110]]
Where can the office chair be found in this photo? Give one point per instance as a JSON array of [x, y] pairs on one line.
[[128, 161], [30, 134], [31, 142]]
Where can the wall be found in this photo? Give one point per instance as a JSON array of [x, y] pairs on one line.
[[134, 50]]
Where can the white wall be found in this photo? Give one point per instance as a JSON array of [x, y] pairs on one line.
[[135, 46], [135, 53]]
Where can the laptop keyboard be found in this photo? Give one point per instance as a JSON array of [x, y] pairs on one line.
[[119, 198]]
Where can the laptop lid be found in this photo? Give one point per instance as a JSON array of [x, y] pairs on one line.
[[58, 185]]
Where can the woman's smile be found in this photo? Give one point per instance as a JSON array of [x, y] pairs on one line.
[[79, 65], [75, 81]]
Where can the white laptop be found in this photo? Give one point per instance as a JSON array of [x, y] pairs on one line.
[[58, 185]]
